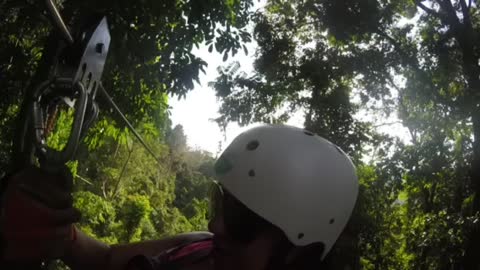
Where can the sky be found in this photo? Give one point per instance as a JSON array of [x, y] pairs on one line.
[[196, 111]]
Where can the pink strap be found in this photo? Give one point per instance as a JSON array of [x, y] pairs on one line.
[[194, 247]]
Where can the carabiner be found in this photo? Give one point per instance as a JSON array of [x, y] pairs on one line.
[[49, 158]]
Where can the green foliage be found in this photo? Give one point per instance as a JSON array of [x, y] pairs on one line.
[[150, 54], [135, 212], [58, 137], [339, 61], [149, 199], [419, 201], [124, 193], [199, 220], [98, 216]]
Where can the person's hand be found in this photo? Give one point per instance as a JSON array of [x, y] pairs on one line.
[[37, 216]]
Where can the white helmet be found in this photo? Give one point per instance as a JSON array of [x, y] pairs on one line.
[[296, 180]]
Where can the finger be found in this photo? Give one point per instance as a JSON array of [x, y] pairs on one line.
[[66, 178], [21, 210], [38, 244], [53, 197], [37, 177], [57, 233], [58, 217], [66, 216]]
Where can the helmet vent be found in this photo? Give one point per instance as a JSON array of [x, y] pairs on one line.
[[252, 145], [300, 235], [309, 133], [332, 221], [251, 173]]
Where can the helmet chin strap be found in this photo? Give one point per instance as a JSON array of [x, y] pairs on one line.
[[288, 256], [283, 253]]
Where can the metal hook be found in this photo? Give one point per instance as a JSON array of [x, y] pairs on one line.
[[49, 158]]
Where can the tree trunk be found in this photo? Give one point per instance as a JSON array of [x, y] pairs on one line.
[[466, 37], [472, 252]]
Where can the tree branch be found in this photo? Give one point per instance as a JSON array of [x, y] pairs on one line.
[[390, 80], [124, 167], [387, 124], [411, 61], [451, 15], [428, 10], [396, 45], [83, 179], [465, 12]]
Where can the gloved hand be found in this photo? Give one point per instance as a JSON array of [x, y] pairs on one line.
[[36, 222]]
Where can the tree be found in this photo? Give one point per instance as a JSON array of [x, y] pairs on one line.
[[418, 59], [150, 52], [124, 193], [177, 140]]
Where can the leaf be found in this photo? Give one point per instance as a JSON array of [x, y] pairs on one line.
[[245, 49], [210, 48]]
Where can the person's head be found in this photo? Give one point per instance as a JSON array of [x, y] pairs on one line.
[[283, 197]]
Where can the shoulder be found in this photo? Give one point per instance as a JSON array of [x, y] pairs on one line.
[[154, 247], [190, 249], [193, 236]]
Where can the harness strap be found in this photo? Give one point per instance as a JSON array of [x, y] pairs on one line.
[[174, 258]]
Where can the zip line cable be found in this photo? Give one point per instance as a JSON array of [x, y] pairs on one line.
[[129, 125]]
